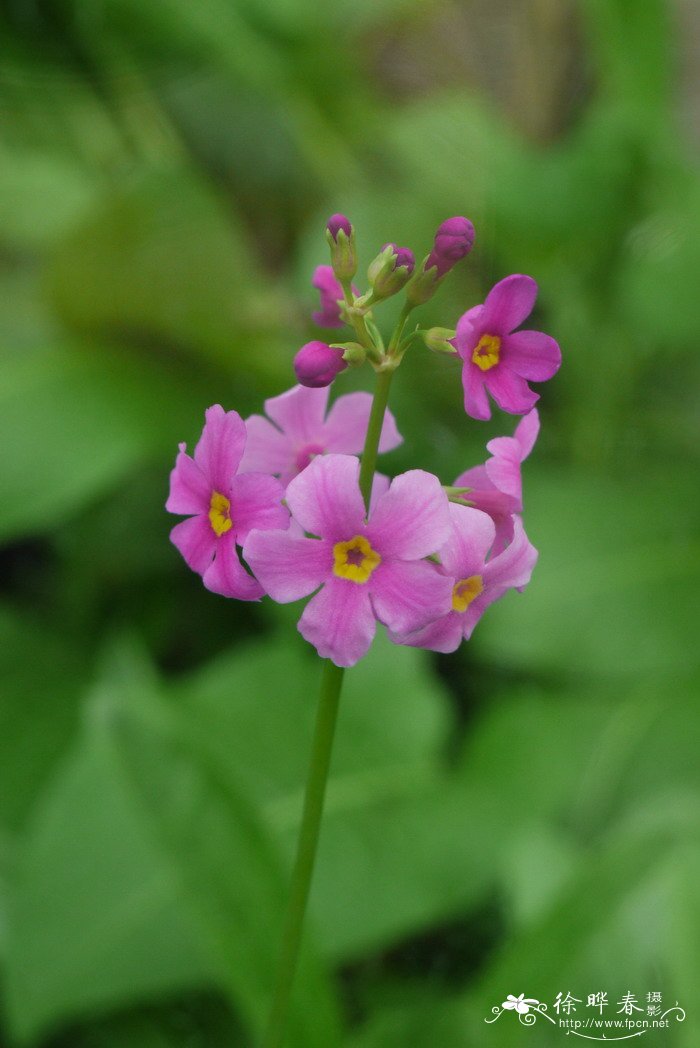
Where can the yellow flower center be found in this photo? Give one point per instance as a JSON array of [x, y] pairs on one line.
[[219, 510], [487, 352], [465, 591], [355, 559]]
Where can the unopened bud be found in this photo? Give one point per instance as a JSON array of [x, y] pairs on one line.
[[440, 340], [390, 271], [453, 240], [317, 364], [341, 240]]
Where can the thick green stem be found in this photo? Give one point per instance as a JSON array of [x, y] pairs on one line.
[[374, 430], [326, 716]]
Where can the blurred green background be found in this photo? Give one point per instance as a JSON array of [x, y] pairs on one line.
[[522, 816]]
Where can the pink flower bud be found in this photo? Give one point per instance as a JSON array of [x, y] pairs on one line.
[[317, 364], [453, 240], [337, 222]]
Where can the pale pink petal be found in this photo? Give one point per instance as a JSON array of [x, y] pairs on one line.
[[412, 519], [339, 621], [507, 304], [476, 403], [510, 391], [227, 576], [299, 412], [346, 425], [220, 447], [196, 542], [256, 502], [476, 478], [325, 497], [380, 486], [526, 432], [532, 354], [471, 537], [288, 566], [444, 635], [407, 595], [266, 450], [504, 532], [504, 468], [190, 492]]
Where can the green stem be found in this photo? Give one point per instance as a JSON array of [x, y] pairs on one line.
[[374, 430], [326, 716]]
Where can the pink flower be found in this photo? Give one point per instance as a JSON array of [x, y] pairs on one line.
[[324, 279], [496, 487], [300, 430], [224, 504], [499, 359], [475, 581], [454, 239], [367, 569]]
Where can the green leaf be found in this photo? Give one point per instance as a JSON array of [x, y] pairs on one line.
[[145, 871]]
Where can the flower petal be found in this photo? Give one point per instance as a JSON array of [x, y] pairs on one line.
[[227, 576], [412, 519], [471, 537], [476, 403], [256, 502], [325, 497], [512, 568], [526, 433], [346, 425], [339, 621], [407, 595], [196, 542], [266, 450], [190, 492], [444, 635], [510, 391], [503, 469], [220, 447], [288, 565], [508, 303], [532, 354], [299, 412]]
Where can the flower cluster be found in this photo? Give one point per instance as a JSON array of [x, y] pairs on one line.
[[277, 506]]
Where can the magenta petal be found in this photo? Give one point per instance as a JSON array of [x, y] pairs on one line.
[[289, 566], [346, 425], [190, 492], [510, 391], [508, 303], [444, 635], [256, 502], [407, 595], [325, 497], [471, 537], [468, 332], [339, 622], [532, 354], [476, 403], [196, 542], [512, 568], [267, 450], [413, 519], [227, 575], [220, 446], [526, 433], [299, 412]]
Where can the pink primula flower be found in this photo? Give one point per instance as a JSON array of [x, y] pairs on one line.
[[499, 359], [224, 505], [475, 582], [331, 292], [300, 430], [496, 487], [367, 569]]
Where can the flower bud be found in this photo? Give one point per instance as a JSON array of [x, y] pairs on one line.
[[453, 240], [341, 239], [353, 353], [317, 364], [390, 271], [440, 340]]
